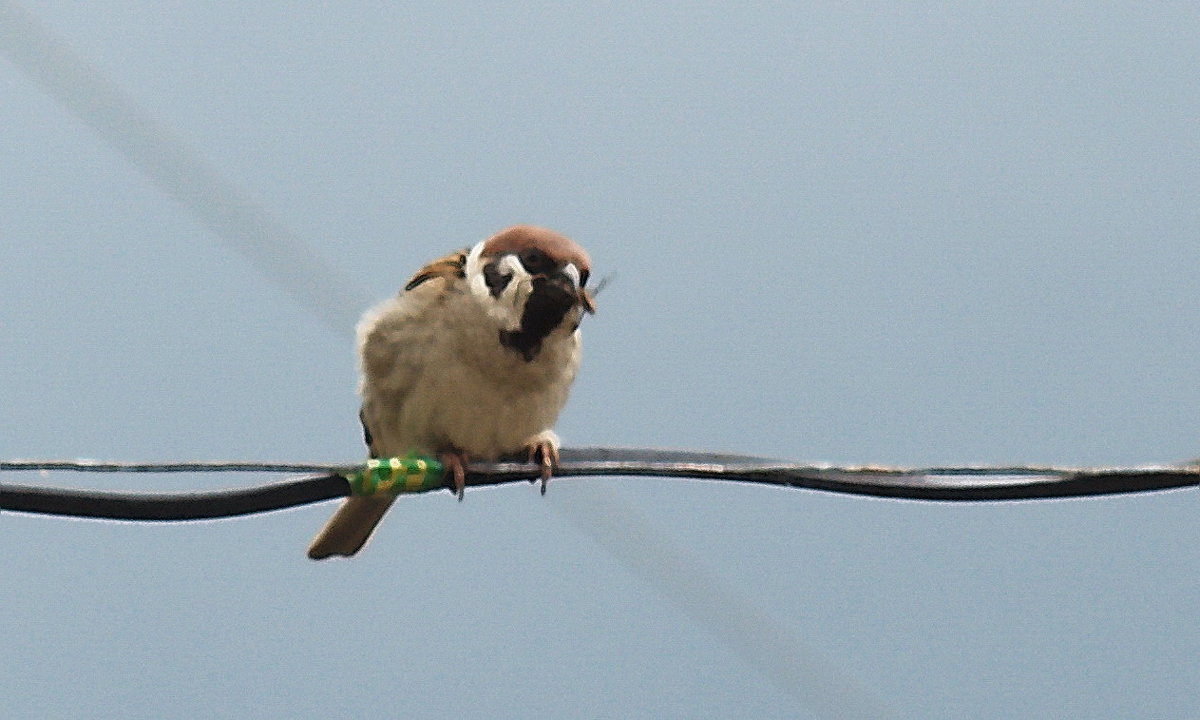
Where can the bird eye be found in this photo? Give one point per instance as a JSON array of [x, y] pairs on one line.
[[536, 262], [583, 276]]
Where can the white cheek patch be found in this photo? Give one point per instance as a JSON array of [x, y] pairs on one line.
[[521, 284], [506, 309]]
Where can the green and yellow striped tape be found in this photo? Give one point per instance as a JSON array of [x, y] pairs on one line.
[[391, 476]]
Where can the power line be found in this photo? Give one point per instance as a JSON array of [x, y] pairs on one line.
[[105, 466], [244, 224], [954, 484], [171, 506], [282, 256]]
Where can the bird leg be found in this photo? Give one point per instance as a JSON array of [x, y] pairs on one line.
[[455, 464], [543, 450]]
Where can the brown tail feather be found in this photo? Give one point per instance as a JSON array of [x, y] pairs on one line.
[[350, 527]]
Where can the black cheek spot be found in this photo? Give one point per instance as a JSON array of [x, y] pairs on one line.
[[496, 281]]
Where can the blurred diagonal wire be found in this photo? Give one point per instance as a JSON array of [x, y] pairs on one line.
[[279, 255], [756, 637], [793, 665], [228, 211]]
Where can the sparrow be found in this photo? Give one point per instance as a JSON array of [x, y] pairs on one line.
[[473, 360]]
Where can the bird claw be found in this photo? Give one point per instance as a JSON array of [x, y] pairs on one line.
[[545, 454], [454, 463]]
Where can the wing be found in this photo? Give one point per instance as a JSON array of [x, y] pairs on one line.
[[450, 266], [393, 348], [392, 344]]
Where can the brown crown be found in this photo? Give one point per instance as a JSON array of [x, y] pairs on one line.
[[559, 248]]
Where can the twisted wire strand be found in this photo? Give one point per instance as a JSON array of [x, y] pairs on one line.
[[964, 484]]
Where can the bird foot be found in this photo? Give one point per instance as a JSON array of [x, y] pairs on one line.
[[455, 465], [543, 450]]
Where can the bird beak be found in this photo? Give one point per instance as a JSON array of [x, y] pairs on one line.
[[568, 278], [587, 302]]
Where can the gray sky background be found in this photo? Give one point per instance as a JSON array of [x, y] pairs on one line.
[[893, 233]]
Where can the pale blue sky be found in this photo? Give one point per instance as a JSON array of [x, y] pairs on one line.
[[884, 233]]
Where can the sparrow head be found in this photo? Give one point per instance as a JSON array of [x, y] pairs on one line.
[[531, 281]]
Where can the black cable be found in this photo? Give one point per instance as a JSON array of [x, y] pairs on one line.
[[172, 506], [939, 484]]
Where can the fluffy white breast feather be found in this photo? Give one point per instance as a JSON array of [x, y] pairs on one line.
[[474, 359]]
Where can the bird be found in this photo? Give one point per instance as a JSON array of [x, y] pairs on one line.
[[472, 360]]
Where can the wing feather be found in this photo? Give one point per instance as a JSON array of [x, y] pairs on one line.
[[392, 356], [452, 266]]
